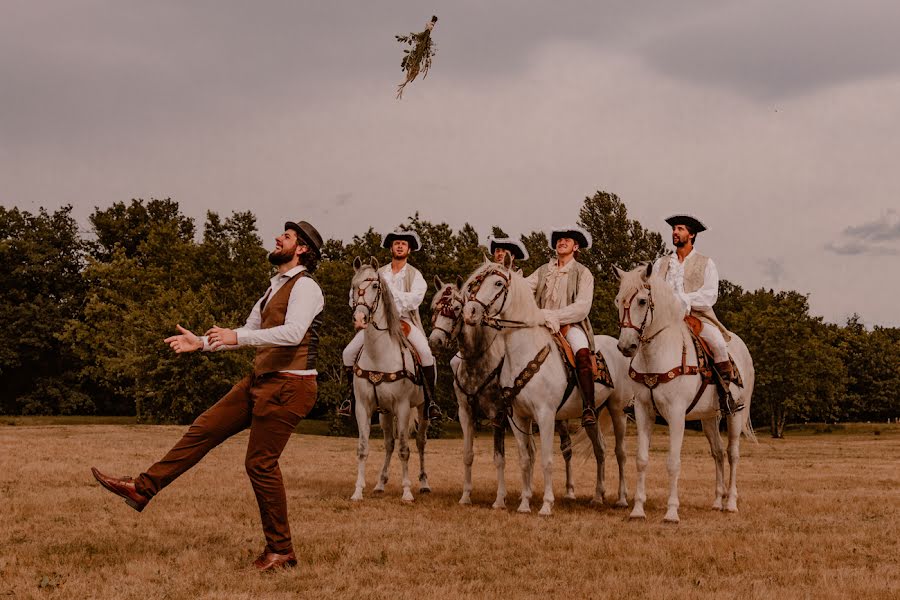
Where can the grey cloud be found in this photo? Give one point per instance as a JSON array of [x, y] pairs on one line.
[[861, 248], [773, 49], [773, 270], [887, 228]]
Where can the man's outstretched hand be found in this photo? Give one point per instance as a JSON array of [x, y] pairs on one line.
[[186, 342], [219, 336]]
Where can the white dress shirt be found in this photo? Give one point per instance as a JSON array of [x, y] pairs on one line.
[[706, 296], [305, 302]]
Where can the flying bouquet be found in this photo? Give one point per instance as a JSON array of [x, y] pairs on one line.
[[416, 59]]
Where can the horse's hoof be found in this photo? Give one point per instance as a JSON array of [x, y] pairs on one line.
[[731, 506], [622, 503], [499, 505], [465, 501], [570, 495], [407, 497], [597, 501], [717, 505], [356, 497], [546, 510], [671, 517], [637, 513], [425, 490], [378, 490], [524, 509]]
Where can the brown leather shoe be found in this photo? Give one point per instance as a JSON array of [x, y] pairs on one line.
[[269, 561], [124, 487]]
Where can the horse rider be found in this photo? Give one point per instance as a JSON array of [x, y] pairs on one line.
[[500, 247], [695, 279], [271, 400], [408, 288], [564, 290]]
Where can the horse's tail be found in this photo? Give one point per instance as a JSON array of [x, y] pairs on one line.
[[581, 443], [747, 430]]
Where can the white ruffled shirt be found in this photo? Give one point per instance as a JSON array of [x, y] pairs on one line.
[[705, 297], [556, 291]]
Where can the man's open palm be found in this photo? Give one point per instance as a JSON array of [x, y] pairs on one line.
[[186, 342]]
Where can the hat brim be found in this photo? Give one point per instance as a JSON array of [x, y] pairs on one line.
[[392, 237], [579, 238], [513, 249], [694, 224], [306, 237]]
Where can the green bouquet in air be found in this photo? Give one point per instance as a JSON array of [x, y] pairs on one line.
[[417, 58]]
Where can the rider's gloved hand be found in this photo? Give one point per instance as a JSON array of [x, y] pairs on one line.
[[550, 320]]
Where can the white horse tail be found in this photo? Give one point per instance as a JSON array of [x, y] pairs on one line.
[[581, 443], [748, 432]]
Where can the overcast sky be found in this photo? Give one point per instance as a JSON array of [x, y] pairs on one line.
[[777, 122]]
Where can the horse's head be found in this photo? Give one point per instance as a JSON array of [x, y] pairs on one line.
[[365, 291], [486, 292], [446, 312], [635, 305]]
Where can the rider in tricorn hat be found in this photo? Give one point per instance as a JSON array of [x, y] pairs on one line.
[[695, 279], [564, 290]]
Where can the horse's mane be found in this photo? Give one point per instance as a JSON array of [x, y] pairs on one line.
[[392, 317], [667, 308]]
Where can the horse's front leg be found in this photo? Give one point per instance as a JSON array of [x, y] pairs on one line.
[[387, 427], [711, 429], [673, 463], [546, 426], [363, 420], [421, 438], [565, 446], [643, 417], [498, 423], [620, 422], [403, 415], [468, 431], [735, 426], [522, 431]]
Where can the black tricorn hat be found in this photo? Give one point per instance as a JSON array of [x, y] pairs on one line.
[[307, 233], [410, 237], [579, 234], [692, 223], [515, 247]]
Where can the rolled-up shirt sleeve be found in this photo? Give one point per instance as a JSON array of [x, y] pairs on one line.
[[579, 310], [305, 302]]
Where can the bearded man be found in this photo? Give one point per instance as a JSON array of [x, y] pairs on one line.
[[695, 279], [271, 400]]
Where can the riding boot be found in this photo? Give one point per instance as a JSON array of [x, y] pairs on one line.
[[584, 370], [723, 384], [346, 407], [429, 378]]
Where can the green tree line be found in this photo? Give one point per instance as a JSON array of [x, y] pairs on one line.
[[85, 313]]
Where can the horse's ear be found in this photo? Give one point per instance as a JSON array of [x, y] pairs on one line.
[[647, 271], [619, 273], [459, 282], [438, 284], [507, 261], [373, 262], [357, 263], [487, 260]]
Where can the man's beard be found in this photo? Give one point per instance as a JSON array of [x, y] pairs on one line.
[[279, 258], [679, 243]]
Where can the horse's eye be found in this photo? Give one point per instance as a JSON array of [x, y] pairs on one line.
[[642, 301], [374, 286], [498, 284]]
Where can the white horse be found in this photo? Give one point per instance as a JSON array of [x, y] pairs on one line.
[[533, 379], [664, 379], [385, 380]]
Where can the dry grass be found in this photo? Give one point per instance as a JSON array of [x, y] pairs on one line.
[[818, 519]]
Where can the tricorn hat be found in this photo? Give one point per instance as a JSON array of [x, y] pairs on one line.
[[582, 237], [692, 223], [307, 233], [515, 247], [409, 236]]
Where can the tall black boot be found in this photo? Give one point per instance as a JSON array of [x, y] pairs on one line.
[[346, 407], [584, 371], [429, 379], [723, 384]]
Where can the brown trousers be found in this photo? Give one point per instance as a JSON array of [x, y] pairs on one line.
[[271, 405]]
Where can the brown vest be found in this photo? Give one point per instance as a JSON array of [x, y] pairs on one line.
[[571, 291], [694, 276], [286, 358]]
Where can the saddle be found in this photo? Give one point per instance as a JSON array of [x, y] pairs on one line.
[[598, 362], [704, 352]]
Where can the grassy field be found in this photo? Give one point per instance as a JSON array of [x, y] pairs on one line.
[[819, 517]]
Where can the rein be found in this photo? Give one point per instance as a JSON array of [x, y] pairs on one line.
[[360, 300], [488, 320], [626, 323], [444, 308]]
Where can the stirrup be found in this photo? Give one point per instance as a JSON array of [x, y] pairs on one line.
[[588, 417], [345, 409], [434, 414], [729, 407]]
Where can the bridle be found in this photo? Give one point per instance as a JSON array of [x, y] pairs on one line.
[[486, 319], [626, 323], [360, 299], [445, 308]]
